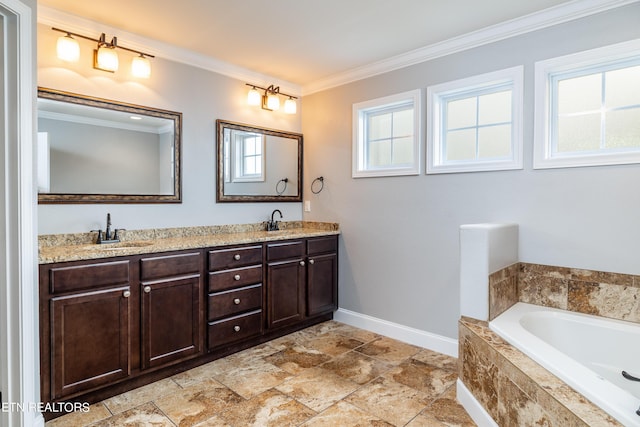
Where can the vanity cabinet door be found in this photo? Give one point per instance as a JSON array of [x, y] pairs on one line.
[[285, 292], [90, 336], [322, 275], [170, 309], [322, 284]]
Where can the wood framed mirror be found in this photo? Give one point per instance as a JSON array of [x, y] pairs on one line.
[[257, 164], [93, 150]]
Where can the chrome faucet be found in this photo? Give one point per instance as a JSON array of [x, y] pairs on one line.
[[108, 236], [273, 225]]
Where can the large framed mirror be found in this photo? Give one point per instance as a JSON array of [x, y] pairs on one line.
[[93, 150], [258, 164]]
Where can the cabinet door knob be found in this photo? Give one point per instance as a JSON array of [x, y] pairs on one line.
[[311, 262], [301, 262], [236, 257], [236, 328], [236, 301], [147, 289], [236, 277], [126, 294]]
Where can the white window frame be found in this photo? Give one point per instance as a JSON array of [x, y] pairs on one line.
[[239, 173], [359, 168], [596, 59], [473, 86]]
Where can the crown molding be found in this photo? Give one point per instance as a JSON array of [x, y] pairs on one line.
[[535, 21], [56, 18], [545, 18]]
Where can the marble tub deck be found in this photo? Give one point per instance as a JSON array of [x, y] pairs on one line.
[[329, 375]]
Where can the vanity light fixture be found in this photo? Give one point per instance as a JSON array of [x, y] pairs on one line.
[[270, 99], [105, 56], [68, 48]]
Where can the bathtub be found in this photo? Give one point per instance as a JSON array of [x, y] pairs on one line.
[[587, 352]]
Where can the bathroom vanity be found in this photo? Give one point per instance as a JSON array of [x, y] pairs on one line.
[[115, 317]]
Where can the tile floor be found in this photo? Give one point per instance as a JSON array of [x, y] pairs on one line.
[[331, 375]]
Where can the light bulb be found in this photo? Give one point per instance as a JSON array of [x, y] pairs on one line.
[[254, 97], [141, 67], [107, 58], [68, 48], [273, 102], [290, 106]]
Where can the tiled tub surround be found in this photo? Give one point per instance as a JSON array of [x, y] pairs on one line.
[[511, 387], [514, 389], [611, 295], [81, 246]]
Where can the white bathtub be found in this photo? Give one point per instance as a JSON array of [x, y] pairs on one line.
[[587, 352]]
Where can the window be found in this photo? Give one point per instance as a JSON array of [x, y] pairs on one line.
[[475, 124], [249, 157], [386, 136], [587, 109]]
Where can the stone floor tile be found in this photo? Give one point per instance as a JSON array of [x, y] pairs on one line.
[[95, 413], [250, 378], [391, 401], [356, 367], [317, 388], [197, 402], [144, 415], [332, 344], [138, 396], [439, 360], [421, 376], [389, 350], [297, 358], [271, 408], [345, 414]]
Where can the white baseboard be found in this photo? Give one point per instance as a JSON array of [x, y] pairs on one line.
[[475, 410], [418, 337]]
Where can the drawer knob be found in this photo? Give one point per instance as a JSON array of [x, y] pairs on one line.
[[236, 257], [311, 262], [147, 289], [236, 277], [236, 328], [302, 263], [126, 294], [236, 301]]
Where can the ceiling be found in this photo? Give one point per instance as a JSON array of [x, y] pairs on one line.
[[300, 41]]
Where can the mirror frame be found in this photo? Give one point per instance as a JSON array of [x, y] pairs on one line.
[[176, 197], [221, 125]]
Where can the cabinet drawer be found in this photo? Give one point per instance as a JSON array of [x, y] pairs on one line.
[[234, 257], [169, 265], [236, 328], [322, 245], [229, 279], [276, 251], [233, 302], [90, 276]]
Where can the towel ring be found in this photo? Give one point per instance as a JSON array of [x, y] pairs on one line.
[[319, 179], [284, 188]]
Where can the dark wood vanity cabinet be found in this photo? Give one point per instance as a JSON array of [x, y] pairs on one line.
[[286, 277], [112, 324], [322, 275], [302, 280], [235, 295], [85, 326], [104, 321], [171, 306]]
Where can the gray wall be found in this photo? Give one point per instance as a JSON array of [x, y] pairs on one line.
[[110, 160], [202, 97], [399, 251]]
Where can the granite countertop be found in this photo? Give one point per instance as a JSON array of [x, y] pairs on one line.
[[81, 246]]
